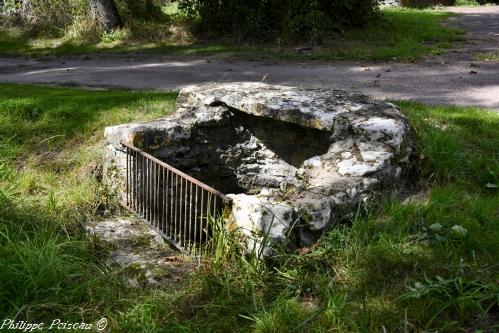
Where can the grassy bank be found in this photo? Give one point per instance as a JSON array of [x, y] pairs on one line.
[[427, 263], [404, 34]]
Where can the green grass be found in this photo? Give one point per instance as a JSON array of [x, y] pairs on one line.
[[487, 56], [50, 152], [403, 34], [466, 3], [400, 266]]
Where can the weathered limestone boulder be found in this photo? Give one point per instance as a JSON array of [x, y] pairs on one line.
[[390, 3], [295, 161], [262, 221]]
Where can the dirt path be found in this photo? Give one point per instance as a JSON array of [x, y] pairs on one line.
[[454, 79]]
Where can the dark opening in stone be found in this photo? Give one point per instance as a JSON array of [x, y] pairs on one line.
[[243, 153]]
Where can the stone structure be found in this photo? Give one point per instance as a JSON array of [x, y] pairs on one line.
[[389, 3], [140, 253], [294, 160]]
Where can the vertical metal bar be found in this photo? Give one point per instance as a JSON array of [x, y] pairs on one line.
[[151, 192], [182, 211], [214, 207], [135, 181], [139, 183], [189, 232], [135, 176], [150, 198], [168, 200], [163, 200], [132, 174], [148, 181], [127, 171], [201, 217], [160, 199], [214, 212], [167, 204], [156, 195], [184, 236], [195, 217], [151, 189], [172, 208], [148, 188], [142, 186], [208, 214], [176, 206]]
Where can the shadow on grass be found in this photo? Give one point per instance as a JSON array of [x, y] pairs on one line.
[[49, 268]]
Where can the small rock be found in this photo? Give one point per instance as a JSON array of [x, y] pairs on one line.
[[459, 231], [436, 227], [473, 72], [304, 49]]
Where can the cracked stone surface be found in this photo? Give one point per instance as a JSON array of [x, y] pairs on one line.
[[294, 161], [140, 253]]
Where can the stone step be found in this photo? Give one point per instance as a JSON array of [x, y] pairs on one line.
[[140, 253]]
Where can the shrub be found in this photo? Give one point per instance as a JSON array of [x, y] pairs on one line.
[[264, 19], [52, 16], [58, 17], [139, 9]]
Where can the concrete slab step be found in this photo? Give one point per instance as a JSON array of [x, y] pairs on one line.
[[141, 254]]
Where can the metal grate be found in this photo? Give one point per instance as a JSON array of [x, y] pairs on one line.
[[173, 203]]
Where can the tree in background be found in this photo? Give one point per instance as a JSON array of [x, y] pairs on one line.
[[105, 14]]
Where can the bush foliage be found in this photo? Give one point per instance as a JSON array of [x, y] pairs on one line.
[[264, 19], [58, 17]]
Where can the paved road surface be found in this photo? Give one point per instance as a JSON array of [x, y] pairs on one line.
[[453, 79]]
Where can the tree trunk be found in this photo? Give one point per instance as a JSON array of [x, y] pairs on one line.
[[105, 13]]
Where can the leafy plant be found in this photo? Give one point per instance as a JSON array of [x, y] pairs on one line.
[[264, 19]]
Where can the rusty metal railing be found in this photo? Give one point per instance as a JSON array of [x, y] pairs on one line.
[[173, 203]]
